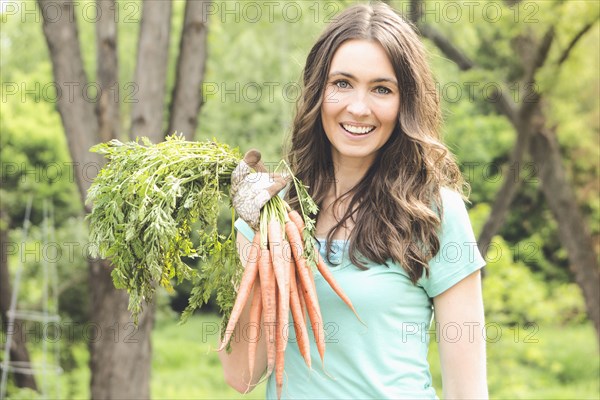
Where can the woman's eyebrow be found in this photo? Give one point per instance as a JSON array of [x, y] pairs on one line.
[[376, 80]]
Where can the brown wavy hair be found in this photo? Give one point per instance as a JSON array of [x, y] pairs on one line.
[[393, 205]]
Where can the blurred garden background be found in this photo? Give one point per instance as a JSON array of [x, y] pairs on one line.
[[519, 86]]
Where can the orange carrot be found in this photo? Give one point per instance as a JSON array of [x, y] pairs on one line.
[[298, 315], [323, 269], [301, 296], [310, 294], [268, 288], [316, 321], [297, 220], [254, 320], [280, 342], [313, 288], [276, 247], [299, 251], [328, 276], [248, 278]]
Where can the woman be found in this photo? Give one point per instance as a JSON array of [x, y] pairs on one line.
[[392, 224]]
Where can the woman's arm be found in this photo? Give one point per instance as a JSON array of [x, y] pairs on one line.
[[235, 364], [460, 317]]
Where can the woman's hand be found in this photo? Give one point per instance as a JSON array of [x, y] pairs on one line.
[[252, 187]]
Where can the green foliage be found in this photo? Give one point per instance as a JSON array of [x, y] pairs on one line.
[[253, 73], [35, 165], [65, 247], [185, 365], [35, 161], [514, 295], [145, 201], [218, 277], [543, 362], [536, 361], [308, 208], [23, 394]]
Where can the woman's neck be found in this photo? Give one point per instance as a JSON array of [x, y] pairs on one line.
[[348, 174]]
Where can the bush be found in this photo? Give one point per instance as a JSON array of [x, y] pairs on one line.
[[513, 294]]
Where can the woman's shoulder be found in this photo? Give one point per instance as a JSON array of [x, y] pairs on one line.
[[455, 222], [451, 201], [451, 198]]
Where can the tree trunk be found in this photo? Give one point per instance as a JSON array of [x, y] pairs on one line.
[[75, 108], [523, 125], [118, 339], [18, 348], [572, 228], [107, 107], [187, 95], [151, 71], [119, 356], [121, 353]]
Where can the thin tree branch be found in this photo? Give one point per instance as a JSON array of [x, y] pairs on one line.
[[446, 47], [541, 54], [532, 96], [463, 62], [506, 106], [509, 189], [567, 51]]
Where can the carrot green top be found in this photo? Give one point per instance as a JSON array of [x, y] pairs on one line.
[[387, 358]]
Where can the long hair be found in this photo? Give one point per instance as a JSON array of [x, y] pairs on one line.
[[396, 207]]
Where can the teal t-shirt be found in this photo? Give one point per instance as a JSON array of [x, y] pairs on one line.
[[387, 358]]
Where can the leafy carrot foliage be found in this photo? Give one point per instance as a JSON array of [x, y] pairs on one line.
[[146, 200]]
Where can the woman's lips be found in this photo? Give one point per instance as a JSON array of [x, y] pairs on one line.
[[356, 129]]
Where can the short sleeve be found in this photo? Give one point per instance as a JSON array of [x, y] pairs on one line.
[[245, 229], [458, 255]]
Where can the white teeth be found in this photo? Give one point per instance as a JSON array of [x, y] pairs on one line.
[[358, 130]]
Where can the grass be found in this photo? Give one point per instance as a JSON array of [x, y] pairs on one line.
[[545, 362], [185, 365], [552, 362]]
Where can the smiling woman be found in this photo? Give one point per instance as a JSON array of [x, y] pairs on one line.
[[392, 223]]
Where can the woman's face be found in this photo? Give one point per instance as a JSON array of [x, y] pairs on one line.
[[360, 107]]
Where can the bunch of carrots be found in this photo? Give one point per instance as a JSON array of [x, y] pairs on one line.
[[279, 278], [145, 201]]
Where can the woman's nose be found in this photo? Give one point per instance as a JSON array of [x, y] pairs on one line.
[[358, 106]]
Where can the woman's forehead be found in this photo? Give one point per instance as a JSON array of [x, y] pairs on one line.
[[364, 59]]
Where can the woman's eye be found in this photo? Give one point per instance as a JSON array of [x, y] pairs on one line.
[[342, 84], [382, 90]]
